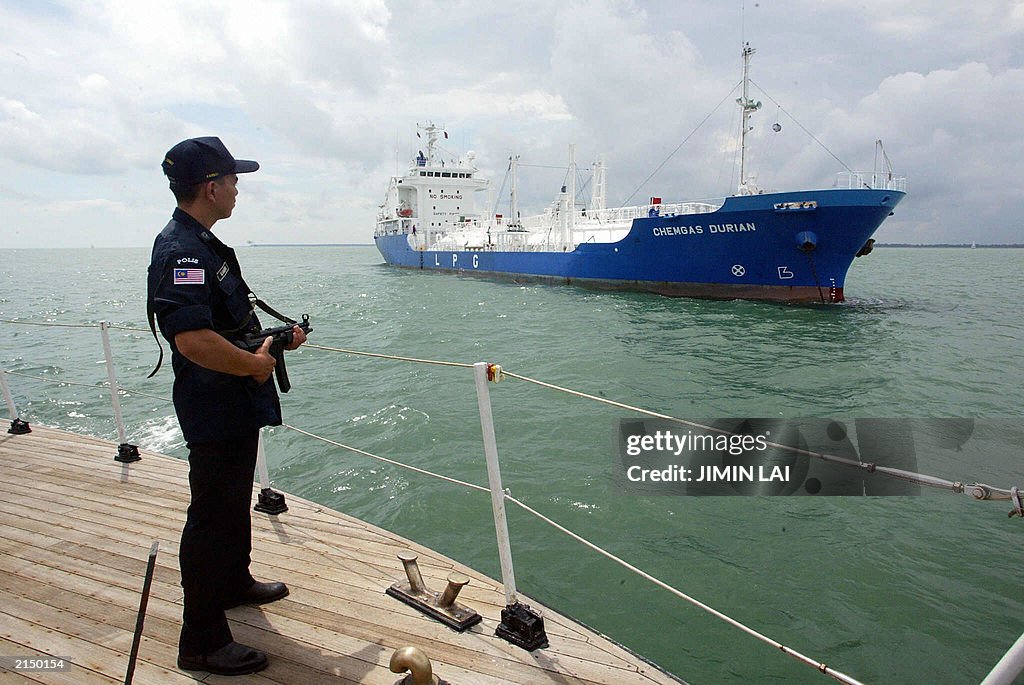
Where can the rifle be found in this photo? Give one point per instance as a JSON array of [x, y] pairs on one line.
[[282, 337]]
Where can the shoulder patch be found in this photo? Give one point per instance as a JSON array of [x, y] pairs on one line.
[[189, 277], [222, 271]]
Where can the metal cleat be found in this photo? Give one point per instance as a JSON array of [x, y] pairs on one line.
[[439, 606]]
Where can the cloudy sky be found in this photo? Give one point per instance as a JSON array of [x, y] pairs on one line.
[[326, 95]]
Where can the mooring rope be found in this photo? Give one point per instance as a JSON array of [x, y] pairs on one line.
[[389, 356], [371, 455]]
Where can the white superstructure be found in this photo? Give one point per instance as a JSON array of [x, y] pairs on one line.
[[433, 204]]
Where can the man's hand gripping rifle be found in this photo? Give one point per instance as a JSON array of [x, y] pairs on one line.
[[282, 337]]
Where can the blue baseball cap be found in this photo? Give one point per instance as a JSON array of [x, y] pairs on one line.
[[202, 159]]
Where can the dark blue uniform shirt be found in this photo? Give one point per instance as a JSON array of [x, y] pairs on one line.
[[194, 283]]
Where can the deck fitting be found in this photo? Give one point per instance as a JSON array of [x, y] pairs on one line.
[[270, 502], [439, 606], [523, 627], [126, 454], [416, 662], [19, 427]]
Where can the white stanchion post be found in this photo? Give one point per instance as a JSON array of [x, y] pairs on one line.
[[483, 397], [520, 625], [269, 501], [261, 464], [18, 427], [115, 401], [125, 453], [11, 409], [1009, 667]]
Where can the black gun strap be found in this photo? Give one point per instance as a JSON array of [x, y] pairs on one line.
[[151, 315], [255, 301], [270, 310], [152, 327]]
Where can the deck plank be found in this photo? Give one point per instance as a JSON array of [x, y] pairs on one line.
[[77, 527]]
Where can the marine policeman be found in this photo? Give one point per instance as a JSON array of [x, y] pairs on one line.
[[223, 395]]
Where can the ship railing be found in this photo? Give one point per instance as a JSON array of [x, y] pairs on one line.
[[871, 179], [585, 218], [484, 373], [394, 226], [476, 230]]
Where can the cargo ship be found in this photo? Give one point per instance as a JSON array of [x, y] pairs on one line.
[[792, 246]]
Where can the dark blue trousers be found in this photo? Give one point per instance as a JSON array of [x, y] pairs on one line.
[[217, 539]]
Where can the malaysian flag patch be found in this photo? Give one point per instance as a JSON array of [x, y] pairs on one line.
[[189, 276]]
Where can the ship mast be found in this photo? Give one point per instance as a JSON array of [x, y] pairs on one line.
[[513, 173], [431, 131], [748, 106], [571, 226], [597, 198]]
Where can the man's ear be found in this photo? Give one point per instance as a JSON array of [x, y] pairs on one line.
[[209, 191]]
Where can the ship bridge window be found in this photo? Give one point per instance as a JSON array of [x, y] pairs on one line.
[[446, 174]]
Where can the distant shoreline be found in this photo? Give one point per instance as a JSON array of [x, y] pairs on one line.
[[247, 245], [960, 245], [309, 245], [965, 245]]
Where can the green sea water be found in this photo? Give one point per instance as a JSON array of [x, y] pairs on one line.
[[886, 589]]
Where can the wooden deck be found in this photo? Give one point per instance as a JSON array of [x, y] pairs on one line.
[[76, 531]]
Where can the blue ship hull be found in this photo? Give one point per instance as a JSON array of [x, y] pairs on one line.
[[790, 247]]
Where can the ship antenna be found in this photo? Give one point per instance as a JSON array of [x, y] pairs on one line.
[[431, 131], [748, 106], [743, 21]]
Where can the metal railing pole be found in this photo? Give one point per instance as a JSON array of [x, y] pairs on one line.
[[11, 409], [520, 625], [1009, 667], [269, 500], [114, 399], [18, 427], [261, 464], [125, 453], [483, 397]]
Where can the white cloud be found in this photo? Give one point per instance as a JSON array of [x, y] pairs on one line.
[[318, 92]]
